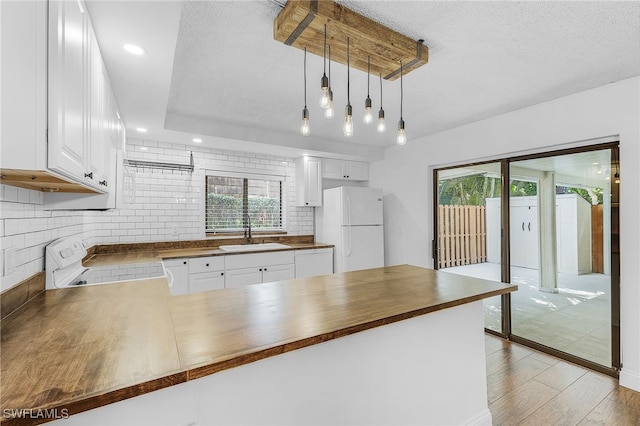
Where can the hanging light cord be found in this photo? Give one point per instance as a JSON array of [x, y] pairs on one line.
[[401, 91], [324, 53], [380, 90], [305, 77], [368, 73], [348, 74], [329, 65]]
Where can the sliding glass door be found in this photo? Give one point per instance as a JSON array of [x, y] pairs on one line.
[[468, 232], [559, 246], [556, 223]]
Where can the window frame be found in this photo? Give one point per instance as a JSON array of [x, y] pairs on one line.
[[246, 177]]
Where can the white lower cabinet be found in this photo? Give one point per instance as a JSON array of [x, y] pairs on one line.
[[265, 274], [206, 273], [255, 268], [178, 275], [206, 281], [242, 277], [197, 274], [278, 273]]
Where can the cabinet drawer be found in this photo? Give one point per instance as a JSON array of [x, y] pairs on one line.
[[206, 264], [239, 261]]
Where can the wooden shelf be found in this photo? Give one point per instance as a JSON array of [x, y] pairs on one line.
[[301, 24]]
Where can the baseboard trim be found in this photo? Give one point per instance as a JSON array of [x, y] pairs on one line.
[[630, 379], [483, 418]]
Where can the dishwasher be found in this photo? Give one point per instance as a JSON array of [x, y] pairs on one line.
[[314, 262]]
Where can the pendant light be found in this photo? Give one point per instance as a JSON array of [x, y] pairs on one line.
[[324, 81], [381, 126], [348, 112], [328, 112], [304, 127], [368, 115], [402, 136]]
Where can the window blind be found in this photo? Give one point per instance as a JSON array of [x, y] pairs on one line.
[[230, 199]]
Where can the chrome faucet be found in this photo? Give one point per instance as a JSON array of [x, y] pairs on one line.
[[247, 229]]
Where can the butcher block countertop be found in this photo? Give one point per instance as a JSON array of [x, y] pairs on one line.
[[86, 347], [143, 256]]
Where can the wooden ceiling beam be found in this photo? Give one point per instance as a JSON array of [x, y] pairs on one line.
[[301, 24]]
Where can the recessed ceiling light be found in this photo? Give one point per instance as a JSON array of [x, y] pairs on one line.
[[595, 164], [134, 49], [143, 148], [141, 130], [197, 140]]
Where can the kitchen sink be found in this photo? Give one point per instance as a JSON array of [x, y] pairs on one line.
[[253, 247]]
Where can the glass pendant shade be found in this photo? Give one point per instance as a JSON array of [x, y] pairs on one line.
[[324, 98], [347, 129], [402, 135], [328, 112], [368, 114], [305, 129], [381, 125]]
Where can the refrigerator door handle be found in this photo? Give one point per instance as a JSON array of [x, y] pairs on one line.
[[348, 211], [349, 241]]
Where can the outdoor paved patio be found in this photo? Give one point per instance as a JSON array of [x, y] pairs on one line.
[[576, 320]]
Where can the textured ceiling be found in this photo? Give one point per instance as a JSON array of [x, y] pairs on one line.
[[229, 78]]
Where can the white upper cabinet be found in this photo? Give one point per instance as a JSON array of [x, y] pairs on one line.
[[23, 78], [344, 170], [308, 181], [59, 119], [69, 64]]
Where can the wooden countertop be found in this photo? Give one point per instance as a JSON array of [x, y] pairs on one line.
[[157, 255], [86, 347]]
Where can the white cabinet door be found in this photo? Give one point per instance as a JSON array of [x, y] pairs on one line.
[[23, 78], [206, 281], [311, 263], [344, 170], [178, 272], [278, 273], [68, 64], [97, 128], [332, 169], [241, 277], [356, 170], [308, 181]]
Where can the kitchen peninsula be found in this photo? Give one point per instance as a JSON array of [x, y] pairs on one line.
[[389, 345]]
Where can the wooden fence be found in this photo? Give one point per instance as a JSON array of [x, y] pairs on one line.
[[462, 236]]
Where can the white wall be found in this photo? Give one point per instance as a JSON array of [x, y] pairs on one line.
[[162, 202], [406, 178]]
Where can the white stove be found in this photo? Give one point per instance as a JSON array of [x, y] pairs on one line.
[[64, 269]]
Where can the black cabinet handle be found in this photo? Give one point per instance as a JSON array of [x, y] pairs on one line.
[[207, 264], [307, 204], [529, 226], [265, 269], [103, 182], [89, 175], [221, 273], [184, 263], [523, 226]]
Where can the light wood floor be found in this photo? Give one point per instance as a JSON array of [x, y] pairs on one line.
[[527, 387]]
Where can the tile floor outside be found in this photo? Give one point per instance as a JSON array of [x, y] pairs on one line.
[[575, 320]]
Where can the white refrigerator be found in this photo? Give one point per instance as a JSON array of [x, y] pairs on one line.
[[351, 219]]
